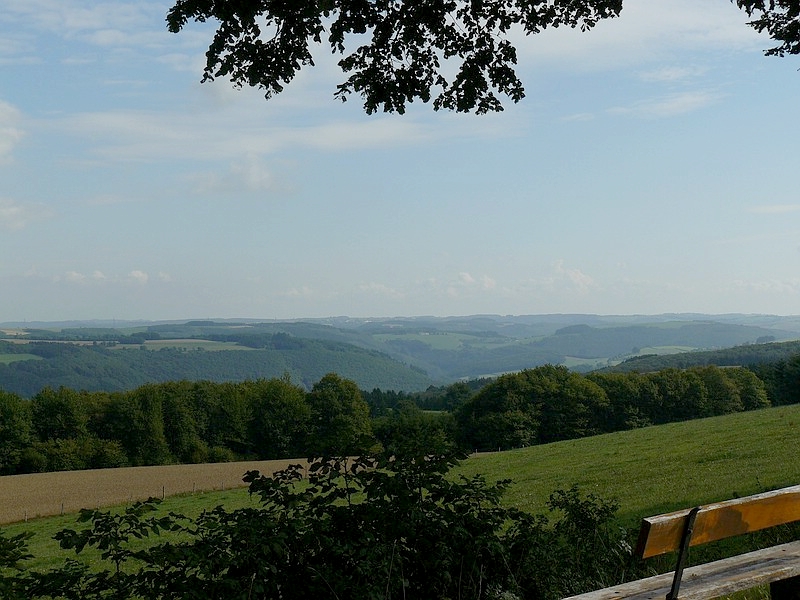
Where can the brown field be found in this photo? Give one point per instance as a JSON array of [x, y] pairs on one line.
[[43, 494]]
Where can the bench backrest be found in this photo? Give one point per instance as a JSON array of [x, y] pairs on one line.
[[663, 533]]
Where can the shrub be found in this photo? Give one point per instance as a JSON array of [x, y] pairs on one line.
[[375, 527]]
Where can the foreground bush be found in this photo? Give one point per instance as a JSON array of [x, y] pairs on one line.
[[375, 527]]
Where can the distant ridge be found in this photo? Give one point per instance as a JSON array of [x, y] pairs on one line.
[[399, 353]]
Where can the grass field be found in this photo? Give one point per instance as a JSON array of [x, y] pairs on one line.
[[6, 359], [648, 471], [191, 344], [43, 494], [655, 469], [446, 340]]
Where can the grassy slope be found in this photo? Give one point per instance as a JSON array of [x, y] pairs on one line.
[[656, 469], [648, 470]]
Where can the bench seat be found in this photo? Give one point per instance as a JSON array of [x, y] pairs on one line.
[[711, 580]]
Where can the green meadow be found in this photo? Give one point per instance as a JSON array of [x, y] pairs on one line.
[[648, 471], [7, 359], [656, 469]]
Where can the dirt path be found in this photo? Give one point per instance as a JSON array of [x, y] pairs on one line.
[[45, 494]]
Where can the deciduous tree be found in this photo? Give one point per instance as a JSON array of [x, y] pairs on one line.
[[339, 424], [457, 53]]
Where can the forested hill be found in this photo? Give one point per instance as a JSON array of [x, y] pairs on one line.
[[402, 354], [747, 356], [27, 368]]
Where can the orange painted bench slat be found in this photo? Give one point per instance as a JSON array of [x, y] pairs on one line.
[[712, 580], [662, 533]]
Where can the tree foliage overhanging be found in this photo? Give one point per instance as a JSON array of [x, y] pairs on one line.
[[455, 52]]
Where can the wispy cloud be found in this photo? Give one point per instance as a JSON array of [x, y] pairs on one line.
[[16, 215], [775, 209], [138, 276], [575, 277], [646, 30], [771, 286], [94, 22], [10, 129], [381, 290], [668, 106], [671, 74], [97, 276], [242, 132]]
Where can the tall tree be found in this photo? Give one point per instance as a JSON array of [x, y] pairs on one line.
[[456, 52], [501, 415], [15, 431], [280, 417], [136, 419], [339, 424], [59, 414], [405, 50]]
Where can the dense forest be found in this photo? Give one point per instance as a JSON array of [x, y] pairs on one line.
[[32, 366], [402, 354], [202, 421]]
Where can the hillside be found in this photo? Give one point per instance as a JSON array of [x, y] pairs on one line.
[[746, 355], [444, 349], [657, 469], [97, 367]]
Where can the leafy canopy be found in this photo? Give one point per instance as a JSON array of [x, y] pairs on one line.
[[406, 47], [456, 52]]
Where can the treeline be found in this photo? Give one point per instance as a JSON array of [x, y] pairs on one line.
[[550, 403], [180, 422], [745, 355], [204, 421]]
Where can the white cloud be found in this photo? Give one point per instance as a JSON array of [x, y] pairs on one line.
[[671, 74], [74, 277], [139, 277], [483, 282], [646, 30], [579, 280], [97, 277], [250, 174], [10, 130], [101, 23], [769, 287], [148, 136], [584, 116], [14, 215], [668, 106], [301, 292], [380, 289]]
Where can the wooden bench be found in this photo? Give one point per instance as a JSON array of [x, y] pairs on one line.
[[778, 566]]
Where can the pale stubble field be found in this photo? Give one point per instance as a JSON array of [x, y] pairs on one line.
[[44, 494]]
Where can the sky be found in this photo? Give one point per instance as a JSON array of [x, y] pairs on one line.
[[652, 167]]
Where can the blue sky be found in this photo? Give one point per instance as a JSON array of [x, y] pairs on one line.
[[652, 167]]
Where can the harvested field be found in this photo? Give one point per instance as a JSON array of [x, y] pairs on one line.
[[44, 494]]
